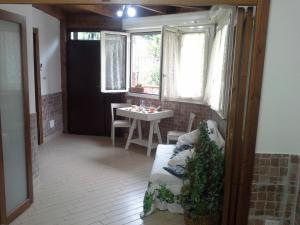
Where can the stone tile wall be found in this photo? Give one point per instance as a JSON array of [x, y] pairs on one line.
[[34, 147], [297, 216], [182, 112], [181, 115], [275, 189], [52, 110]]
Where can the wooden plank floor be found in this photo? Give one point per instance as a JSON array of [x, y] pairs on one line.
[[85, 181]]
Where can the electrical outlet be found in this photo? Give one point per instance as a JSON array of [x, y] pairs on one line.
[[52, 123], [272, 222]]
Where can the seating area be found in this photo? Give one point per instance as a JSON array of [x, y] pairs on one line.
[[125, 112], [169, 167]]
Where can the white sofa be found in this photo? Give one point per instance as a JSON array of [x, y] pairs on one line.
[[162, 181], [159, 179], [159, 175]]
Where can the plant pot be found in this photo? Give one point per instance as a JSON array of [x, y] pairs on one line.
[[198, 220], [137, 89]]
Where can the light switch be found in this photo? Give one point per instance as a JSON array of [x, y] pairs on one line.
[[52, 123]]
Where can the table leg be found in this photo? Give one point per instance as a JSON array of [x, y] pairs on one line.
[[130, 134], [152, 123], [140, 129], [158, 132]]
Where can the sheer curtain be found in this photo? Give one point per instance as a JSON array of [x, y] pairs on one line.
[[192, 63], [171, 64], [115, 53], [183, 65], [214, 91]]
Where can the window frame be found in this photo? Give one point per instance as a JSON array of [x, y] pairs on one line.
[[146, 95], [103, 61], [69, 31], [209, 31]]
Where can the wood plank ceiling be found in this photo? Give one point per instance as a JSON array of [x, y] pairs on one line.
[[61, 11]]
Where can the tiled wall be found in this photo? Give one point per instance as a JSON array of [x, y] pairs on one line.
[[181, 115], [297, 216], [275, 189], [52, 110], [34, 147], [222, 123]]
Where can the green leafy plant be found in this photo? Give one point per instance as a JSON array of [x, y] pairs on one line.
[[165, 195], [148, 201], [139, 86], [202, 193]]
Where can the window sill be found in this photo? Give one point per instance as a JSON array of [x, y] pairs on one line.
[[189, 101], [139, 95], [219, 114]]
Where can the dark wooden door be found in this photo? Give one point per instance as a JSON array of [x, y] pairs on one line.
[[88, 108]]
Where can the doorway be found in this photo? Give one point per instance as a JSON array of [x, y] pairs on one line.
[[88, 108], [16, 191], [37, 85]]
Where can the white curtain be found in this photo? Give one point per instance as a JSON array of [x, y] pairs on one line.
[[192, 64], [115, 52], [183, 65], [171, 62], [214, 91]]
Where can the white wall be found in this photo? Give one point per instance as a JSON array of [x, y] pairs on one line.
[[49, 41], [49, 31], [279, 119]]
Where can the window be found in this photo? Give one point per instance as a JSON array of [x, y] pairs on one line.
[[184, 64], [145, 63], [114, 61], [84, 36], [215, 91]]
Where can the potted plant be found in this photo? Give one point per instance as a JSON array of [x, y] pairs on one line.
[[202, 193], [137, 89]]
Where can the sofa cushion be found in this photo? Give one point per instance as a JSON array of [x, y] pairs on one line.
[[181, 158], [158, 174]]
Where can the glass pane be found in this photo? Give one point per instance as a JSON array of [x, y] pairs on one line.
[[145, 66], [12, 116], [115, 54], [85, 36], [192, 61]]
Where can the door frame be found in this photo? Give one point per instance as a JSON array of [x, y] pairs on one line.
[[238, 209], [234, 212], [4, 217], [37, 86]]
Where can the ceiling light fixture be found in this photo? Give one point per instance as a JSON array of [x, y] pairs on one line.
[[120, 12], [131, 11]]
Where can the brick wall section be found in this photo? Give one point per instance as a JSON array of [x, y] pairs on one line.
[[52, 110], [181, 115], [34, 147], [222, 123], [297, 216], [274, 188]]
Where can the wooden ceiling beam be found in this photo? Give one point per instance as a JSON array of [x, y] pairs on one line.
[[156, 9], [140, 2], [98, 9], [51, 10]]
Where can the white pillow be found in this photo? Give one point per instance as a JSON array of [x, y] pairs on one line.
[[214, 133], [180, 158], [188, 138]]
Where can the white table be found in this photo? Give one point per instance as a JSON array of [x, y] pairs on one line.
[[153, 118]]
